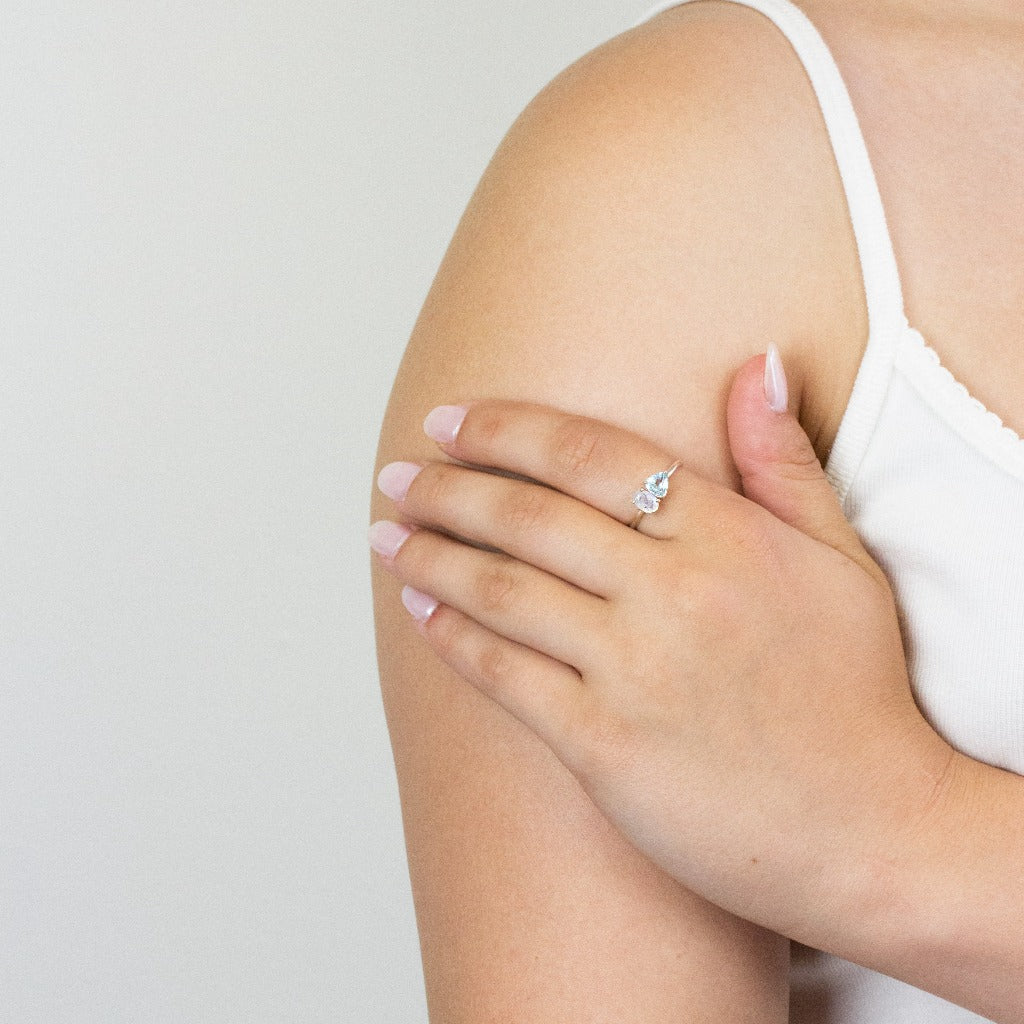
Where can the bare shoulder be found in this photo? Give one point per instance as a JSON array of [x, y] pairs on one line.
[[672, 191]]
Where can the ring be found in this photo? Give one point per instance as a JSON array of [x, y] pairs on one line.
[[648, 498]]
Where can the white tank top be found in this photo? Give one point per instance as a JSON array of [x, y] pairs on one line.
[[934, 485]]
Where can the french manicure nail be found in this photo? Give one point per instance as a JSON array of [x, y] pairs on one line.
[[386, 537], [394, 479], [419, 605], [775, 389], [442, 423]]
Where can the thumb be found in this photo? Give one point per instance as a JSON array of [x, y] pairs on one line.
[[777, 463]]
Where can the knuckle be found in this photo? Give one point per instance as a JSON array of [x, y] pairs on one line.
[[484, 426], [787, 453], [419, 560], [574, 444], [798, 461], [447, 633], [497, 588], [495, 664], [434, 485], [529, 509]]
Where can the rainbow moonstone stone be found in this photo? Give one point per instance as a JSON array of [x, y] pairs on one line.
[[646, 502]]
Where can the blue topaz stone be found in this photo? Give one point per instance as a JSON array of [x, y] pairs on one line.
[[658, 484], [646, 501]]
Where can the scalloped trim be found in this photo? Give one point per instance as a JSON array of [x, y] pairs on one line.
[[950, 398]]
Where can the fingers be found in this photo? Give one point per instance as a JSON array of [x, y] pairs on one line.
[[533, 523], [596, 462], [507, 596], [546, 695]]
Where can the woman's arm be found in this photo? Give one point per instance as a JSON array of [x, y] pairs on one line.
[[643, 228], [945, 908]]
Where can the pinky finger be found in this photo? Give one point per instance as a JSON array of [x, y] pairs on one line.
[[546, 695]]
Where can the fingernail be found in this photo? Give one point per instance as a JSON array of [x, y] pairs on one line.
[[442, 423], [394, 479], [386, 537], [419, 605], [775, 389]]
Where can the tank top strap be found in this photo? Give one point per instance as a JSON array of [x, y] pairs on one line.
[[883, 292]]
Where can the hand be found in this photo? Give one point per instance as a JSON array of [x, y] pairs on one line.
[[730, 689]]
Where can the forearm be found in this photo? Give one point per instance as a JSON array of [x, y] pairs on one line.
[[964, 872], [943, 907]]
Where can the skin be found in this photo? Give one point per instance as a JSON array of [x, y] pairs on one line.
[[530, 904], [663, 699], [948, 154], [747, 723]]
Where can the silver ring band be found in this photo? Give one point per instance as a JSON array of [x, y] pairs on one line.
[[648, 498]]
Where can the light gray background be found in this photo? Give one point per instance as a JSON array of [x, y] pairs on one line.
[[218, 223]]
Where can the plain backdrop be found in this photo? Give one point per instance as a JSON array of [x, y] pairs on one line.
[[218, 222]]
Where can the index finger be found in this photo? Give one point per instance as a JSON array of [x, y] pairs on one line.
[[599, 463]]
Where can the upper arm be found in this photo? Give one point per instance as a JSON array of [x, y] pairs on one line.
[[623, 254]]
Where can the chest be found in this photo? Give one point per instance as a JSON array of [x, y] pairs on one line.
[[943, 119]]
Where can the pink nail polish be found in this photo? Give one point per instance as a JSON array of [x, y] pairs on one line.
[[775, 388], [386, 537], [442, 423], [394, 479], [419, 605]]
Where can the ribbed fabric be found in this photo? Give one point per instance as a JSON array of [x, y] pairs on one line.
[[933, 482]]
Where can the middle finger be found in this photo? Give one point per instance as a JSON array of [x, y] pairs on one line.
[[529, 521]]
